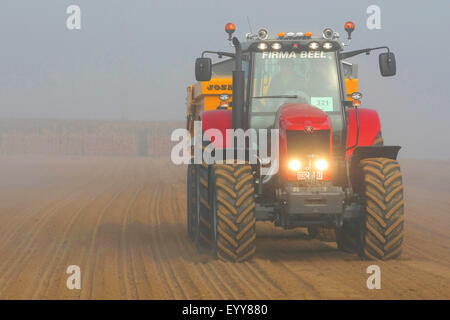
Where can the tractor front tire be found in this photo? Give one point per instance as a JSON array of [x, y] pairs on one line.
[[378, 234], [228, 223], [384, 213]]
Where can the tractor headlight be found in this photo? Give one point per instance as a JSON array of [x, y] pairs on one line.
[[314, 45], [262, 46], [321, 164], [327, 45], [276, 46], [295, 165]]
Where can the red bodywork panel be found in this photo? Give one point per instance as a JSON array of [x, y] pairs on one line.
[[369, 127], [220, 120], [295, 116]]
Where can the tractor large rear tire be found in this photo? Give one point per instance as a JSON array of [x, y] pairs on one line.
[[205, 221], [228, 211], [191, 201], [379, 232]]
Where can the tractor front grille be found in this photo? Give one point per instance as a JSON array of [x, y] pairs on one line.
[[301, 144]]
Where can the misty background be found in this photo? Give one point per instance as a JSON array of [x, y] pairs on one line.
[[132, 60]]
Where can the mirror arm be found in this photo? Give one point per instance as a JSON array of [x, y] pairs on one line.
[[219, 53], [348, 54]]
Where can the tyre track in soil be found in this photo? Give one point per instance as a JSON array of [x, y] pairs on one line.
[[83, 249], [149, 260], [183, 244], [205, 286], [248, 277], [96, 264], [41, 211], [138, 249], [58, 217], [56, 191], [135, 248], [176, 285], [126, 264], [180, 287], [57, 253], [48, 191], [154, 220], [27, 245], [122, 220], [168, 282]]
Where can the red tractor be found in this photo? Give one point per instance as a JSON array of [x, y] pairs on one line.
[[334, 176]]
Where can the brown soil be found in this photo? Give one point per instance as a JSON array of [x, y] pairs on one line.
[[122, 220]]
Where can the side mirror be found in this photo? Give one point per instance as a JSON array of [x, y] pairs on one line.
[[203, 69], [350, 70], [387, 64]]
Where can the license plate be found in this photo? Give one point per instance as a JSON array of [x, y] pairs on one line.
[[306, 175]]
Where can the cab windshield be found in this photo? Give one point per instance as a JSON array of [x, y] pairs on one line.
[[293, 77]]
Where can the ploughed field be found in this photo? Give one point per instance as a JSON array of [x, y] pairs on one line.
[[122, 220]]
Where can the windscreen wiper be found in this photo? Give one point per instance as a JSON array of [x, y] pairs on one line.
[[279, 96]]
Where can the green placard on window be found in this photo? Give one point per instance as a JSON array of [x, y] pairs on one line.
[[323, 103]]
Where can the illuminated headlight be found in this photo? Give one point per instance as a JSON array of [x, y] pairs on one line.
[[327, 45], [224, 97], [295, 165], [276, 46], [321, 164], [314, 45], [262, 46]]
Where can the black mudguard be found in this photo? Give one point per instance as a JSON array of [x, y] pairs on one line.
[[365, 152]]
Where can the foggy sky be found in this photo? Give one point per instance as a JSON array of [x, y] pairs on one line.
[[134, 59]]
